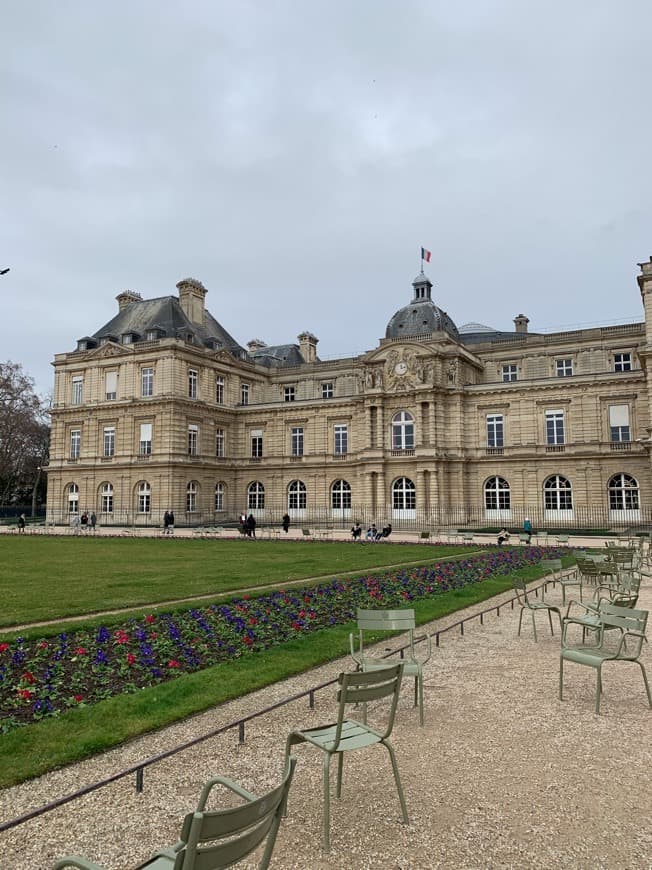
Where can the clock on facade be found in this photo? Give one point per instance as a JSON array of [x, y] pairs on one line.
[[400, 368]]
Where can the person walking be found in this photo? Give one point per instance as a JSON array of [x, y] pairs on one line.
[[93, 521], [171, 523], [527, 529], [286, 523], [21, 524], [251, 526], [84, 521]]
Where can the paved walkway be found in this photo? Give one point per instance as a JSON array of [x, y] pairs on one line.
[[503, 775]]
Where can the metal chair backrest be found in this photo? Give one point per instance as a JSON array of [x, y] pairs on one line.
[[221, 838], [632, 622], [360, 687]]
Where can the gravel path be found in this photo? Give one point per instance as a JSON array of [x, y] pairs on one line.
[[503, 775]]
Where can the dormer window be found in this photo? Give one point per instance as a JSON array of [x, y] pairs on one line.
[[127, 338], [151, 335]]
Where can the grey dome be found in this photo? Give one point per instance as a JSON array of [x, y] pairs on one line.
[[421, 315]]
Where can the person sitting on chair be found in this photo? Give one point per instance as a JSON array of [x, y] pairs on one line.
[[387, 531], [503, 535], [372, 531], [356, 531]]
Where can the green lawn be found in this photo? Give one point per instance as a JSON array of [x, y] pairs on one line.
[[48, 578]]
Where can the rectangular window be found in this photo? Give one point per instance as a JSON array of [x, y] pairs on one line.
[[219, 443], [193, 440], [564, 368], [619, 423], [288, 394], [75, 443], [144, 501], [192, 383], [622, 362], [147, 382], [257, 443], [219, 390], [555, 427], [495, 430], [327, 391], [244, 394], [510, 373], [109, 440], [145, 442], [219, 497], [297, 441], [341, 439], [111, 386], [77, 390]]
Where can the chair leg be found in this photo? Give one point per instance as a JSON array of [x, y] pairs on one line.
[[552, 631], [420, 679], [326, 837], [520, 618], [397, 778], [598, 689], [416, 691], [647, 685], [561, 678], [534, 626], [340, 762]]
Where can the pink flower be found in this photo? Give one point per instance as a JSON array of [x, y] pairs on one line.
[[4, 646], [149, 619], [173, 663], [80, 651]]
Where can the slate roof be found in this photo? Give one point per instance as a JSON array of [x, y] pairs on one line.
[[166, 315]]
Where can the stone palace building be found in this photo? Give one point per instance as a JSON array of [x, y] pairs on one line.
[[437, 426]]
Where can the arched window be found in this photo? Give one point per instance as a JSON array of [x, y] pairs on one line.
[[106, 497], [623, 493], [404, 495], [144, 497], [557, 494], [402, 431], [297, 496], [497, 496], [73, 498], [191, 496], [256, 496], [219, 496], [341, 495]]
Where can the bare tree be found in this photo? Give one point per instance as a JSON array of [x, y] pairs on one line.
[[24, 436]]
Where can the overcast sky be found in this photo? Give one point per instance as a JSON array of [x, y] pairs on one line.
[[294, 156]]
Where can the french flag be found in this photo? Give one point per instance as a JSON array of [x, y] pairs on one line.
[[425, 255]]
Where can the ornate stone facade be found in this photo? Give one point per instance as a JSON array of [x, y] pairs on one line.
[[162, 409]]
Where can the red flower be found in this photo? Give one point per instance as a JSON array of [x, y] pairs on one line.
[[246, 597], [248, 640], [28, 676], [131, 659], [80, 651], [4, 646], [43, 644], [154, 635], [121, 636], [173, 663], [149, 619], [25, 694], [79, 698], [253, 621]]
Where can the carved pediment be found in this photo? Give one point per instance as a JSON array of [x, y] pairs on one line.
[[105, 351], [400, 368]]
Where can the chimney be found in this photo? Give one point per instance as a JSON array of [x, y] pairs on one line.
[[255, 344], [520, 323], [308, 346], [191, 298], [127, 297]]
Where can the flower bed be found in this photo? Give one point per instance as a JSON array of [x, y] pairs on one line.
[[42, 678]]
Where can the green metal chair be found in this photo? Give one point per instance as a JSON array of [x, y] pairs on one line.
[[391, 620], [347, 735], [632, 624], [554, 567], [561, 539], [533, 606], [589, 617], [219, 838], [424, 536]]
